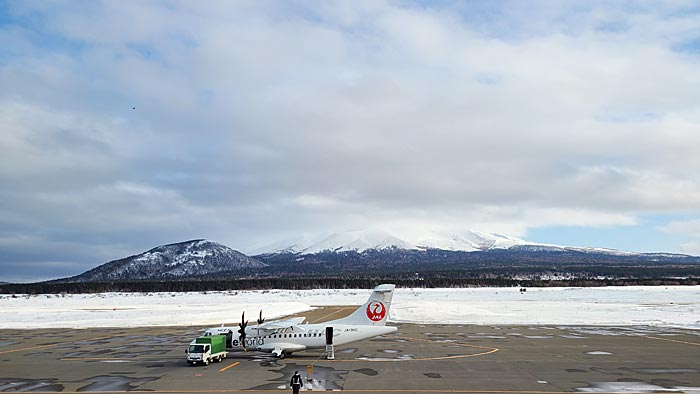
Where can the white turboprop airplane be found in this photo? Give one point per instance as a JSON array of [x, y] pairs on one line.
[[284, 337]]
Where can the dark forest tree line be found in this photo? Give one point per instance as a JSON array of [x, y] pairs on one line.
[[436, 281]]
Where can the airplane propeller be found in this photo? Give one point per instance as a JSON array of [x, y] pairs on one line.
[[260, 321], [241, 330]]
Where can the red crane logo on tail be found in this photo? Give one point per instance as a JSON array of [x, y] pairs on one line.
[[376, 311]]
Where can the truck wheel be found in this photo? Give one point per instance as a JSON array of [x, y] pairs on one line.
[[206, 361], [282, 355]]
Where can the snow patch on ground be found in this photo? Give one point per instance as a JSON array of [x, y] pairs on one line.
[[677, 306]]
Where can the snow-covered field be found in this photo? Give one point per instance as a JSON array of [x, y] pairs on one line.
[[677, 306]]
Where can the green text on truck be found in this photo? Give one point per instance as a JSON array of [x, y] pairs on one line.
[[204, 350]]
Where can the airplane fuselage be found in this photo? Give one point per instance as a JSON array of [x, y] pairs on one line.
[[307, 336]]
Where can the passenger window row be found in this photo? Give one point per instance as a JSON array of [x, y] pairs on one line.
[[309, 335]]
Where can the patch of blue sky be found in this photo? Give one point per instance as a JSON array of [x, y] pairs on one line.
[[489, 18], [33, 25], [290, 10], [691, 46], [143, 50], [642, 237], [613, 26], [6, 14], [184, 40], [519, 20], [205, 96], [683, 10]]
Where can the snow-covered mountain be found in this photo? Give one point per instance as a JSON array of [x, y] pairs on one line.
[[468, 242], [374, 239], [358, 241], [288, 245], [178, 260], [377, 251]]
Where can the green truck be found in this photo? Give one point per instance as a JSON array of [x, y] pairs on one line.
[[206, 349]]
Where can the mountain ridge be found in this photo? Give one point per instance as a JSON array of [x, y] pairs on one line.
[[372, 252], [177, 260], [375, 239]]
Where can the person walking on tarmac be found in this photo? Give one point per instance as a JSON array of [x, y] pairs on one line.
[[296, 382]]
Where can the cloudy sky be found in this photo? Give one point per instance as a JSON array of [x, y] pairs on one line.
[[129, 124]]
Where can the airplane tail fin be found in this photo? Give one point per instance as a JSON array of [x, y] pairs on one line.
[[375, 311]]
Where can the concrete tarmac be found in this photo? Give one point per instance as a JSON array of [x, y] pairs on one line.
[[417, 359]]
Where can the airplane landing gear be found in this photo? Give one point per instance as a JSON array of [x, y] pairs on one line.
[[279, 353]]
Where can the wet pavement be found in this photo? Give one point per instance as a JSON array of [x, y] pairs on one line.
[[418, 358]]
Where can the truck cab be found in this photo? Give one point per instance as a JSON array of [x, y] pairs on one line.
[[204, 350]]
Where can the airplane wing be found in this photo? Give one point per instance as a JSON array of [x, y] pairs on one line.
[[292, 325], [289, 324], [293, 320]]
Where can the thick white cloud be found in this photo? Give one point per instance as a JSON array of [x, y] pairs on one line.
[[689, 227], [258, 120]]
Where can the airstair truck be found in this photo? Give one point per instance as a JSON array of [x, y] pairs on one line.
[[204, 350]]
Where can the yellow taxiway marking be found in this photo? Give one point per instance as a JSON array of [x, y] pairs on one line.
[[58, 344], [29, 348], [323, 318], [232, 365], [344, 390], [672, 340], [388, 360], [489, 350]]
